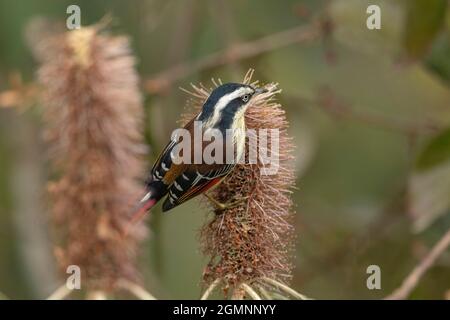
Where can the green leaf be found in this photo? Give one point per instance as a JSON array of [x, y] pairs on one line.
[[423, 21], [436, 152], [429, 194], [429, 186], [438, 60]]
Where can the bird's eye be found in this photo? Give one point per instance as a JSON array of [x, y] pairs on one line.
[[245, 98]]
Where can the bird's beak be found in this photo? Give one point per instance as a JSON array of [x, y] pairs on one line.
[[260, 90]]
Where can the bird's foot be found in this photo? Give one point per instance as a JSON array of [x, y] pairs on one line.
[[220, 206]]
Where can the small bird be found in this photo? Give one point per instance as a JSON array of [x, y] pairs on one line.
[[223, 110]]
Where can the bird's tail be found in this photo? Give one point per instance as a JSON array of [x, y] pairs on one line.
[[146, 203]]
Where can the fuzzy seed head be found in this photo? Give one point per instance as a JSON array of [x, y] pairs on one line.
[[93, 111], [255, 238]]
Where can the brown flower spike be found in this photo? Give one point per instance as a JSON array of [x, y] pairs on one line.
[[252, 241], [93, 111]]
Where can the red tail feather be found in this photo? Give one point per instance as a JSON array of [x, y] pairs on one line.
[[140, 213]]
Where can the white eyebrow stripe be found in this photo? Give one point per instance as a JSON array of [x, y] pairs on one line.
[[223, 102]]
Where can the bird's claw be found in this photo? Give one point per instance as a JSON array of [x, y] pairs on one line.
[[221, 207]]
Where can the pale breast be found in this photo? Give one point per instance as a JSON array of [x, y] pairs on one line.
[[239, 135]]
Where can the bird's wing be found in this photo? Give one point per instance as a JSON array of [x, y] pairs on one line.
[[164, 170], [194, 182], [163, 165]]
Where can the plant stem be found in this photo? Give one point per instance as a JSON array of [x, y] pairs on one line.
[[60, 293], [135, 289], [285, 288], [96, 295], [250, 291], [264, 292], [210, 289]]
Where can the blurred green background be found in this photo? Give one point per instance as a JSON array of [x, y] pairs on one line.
[[369, 111]]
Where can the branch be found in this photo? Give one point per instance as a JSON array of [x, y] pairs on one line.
[[161, 81], [413, 278], [329, 102]]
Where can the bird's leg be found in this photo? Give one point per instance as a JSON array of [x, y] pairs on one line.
[[235, 203], [220, 206]]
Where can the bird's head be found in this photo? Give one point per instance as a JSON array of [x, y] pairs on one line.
[[227, 102]]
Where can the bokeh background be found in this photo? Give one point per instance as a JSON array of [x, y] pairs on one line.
[[369, 112]]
